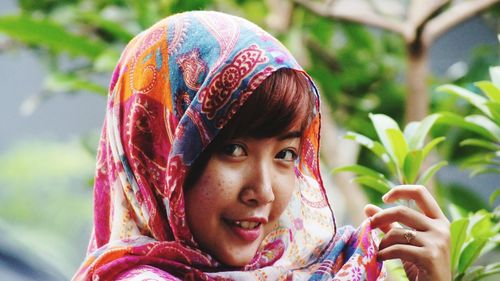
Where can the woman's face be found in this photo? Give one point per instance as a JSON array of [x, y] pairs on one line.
[[241, 194]]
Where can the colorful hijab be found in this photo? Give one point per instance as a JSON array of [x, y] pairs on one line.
[[176, 85]]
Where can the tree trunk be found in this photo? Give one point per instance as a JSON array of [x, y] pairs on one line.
[[417, 101]]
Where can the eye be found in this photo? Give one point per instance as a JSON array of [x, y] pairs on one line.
[[287, 155], [234, 150]]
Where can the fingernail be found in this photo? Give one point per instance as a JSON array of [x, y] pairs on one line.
[[384, 197]]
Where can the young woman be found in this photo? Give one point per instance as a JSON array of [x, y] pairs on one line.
[[208, 170]]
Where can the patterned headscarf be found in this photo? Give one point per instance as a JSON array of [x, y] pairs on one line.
[[175, 87]]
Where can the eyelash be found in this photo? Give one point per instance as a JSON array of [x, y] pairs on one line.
[[230, 149], [284, 151]]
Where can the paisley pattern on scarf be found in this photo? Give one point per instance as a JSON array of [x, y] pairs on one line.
[[175, 86]]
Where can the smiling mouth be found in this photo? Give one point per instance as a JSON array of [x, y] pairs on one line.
[[248, 231], [246, 224]]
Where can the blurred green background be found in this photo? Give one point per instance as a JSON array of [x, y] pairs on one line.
[[55, 62]]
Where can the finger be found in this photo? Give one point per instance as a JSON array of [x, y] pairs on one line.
[[402, 236], [408, 253], [401, 214], [411, 270], [420, 194], [371, 210]]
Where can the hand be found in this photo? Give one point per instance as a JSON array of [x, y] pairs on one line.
[[425, 248]]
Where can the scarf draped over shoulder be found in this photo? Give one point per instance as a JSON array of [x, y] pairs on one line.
[[175, 86]]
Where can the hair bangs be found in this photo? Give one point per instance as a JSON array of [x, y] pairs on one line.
[[283, 101]]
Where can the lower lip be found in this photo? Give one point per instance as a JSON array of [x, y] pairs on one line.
[[248, 235]]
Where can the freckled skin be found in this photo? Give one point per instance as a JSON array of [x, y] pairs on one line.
[[254, 181]]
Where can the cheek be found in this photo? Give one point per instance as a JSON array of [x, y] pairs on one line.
[[200, 200], [200, 192], [213, 189]]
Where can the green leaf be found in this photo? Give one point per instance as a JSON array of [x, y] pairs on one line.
[[481, 225], [458, 232], [473, 98], [477, 273], [429, 173], [480, 158], [495, 110], [429, 146], [106, 61], [494, 196], [360, 170], [456, 120], [375, 183], [382, 123], [496, 212], [373, 146], [416, 141], [398, 145], [396, 269], [457, 212], [42, 32], [412, 163], [470, 253], [489, 90], [484, 170], [486, 123], [60, 82], [482, 163], [410, 130], [495, 76], [111, 27], [480, 143]]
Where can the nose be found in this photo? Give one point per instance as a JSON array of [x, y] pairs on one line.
[[259, 188]]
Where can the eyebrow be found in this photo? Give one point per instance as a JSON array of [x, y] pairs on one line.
[[290, 135]]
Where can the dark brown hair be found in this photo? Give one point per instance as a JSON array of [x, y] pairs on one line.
[[281, 102]]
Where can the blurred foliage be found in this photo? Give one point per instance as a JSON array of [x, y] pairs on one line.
[[463, 75], [45, 199], [359, 70], [474, 234], [486, 124], [355, 68]]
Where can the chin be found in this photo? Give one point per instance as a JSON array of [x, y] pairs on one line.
[[238, 258], [236, 261]]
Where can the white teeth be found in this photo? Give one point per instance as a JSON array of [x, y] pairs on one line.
[[247, 224]]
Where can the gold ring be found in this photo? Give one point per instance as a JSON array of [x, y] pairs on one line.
[[409, 235]]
